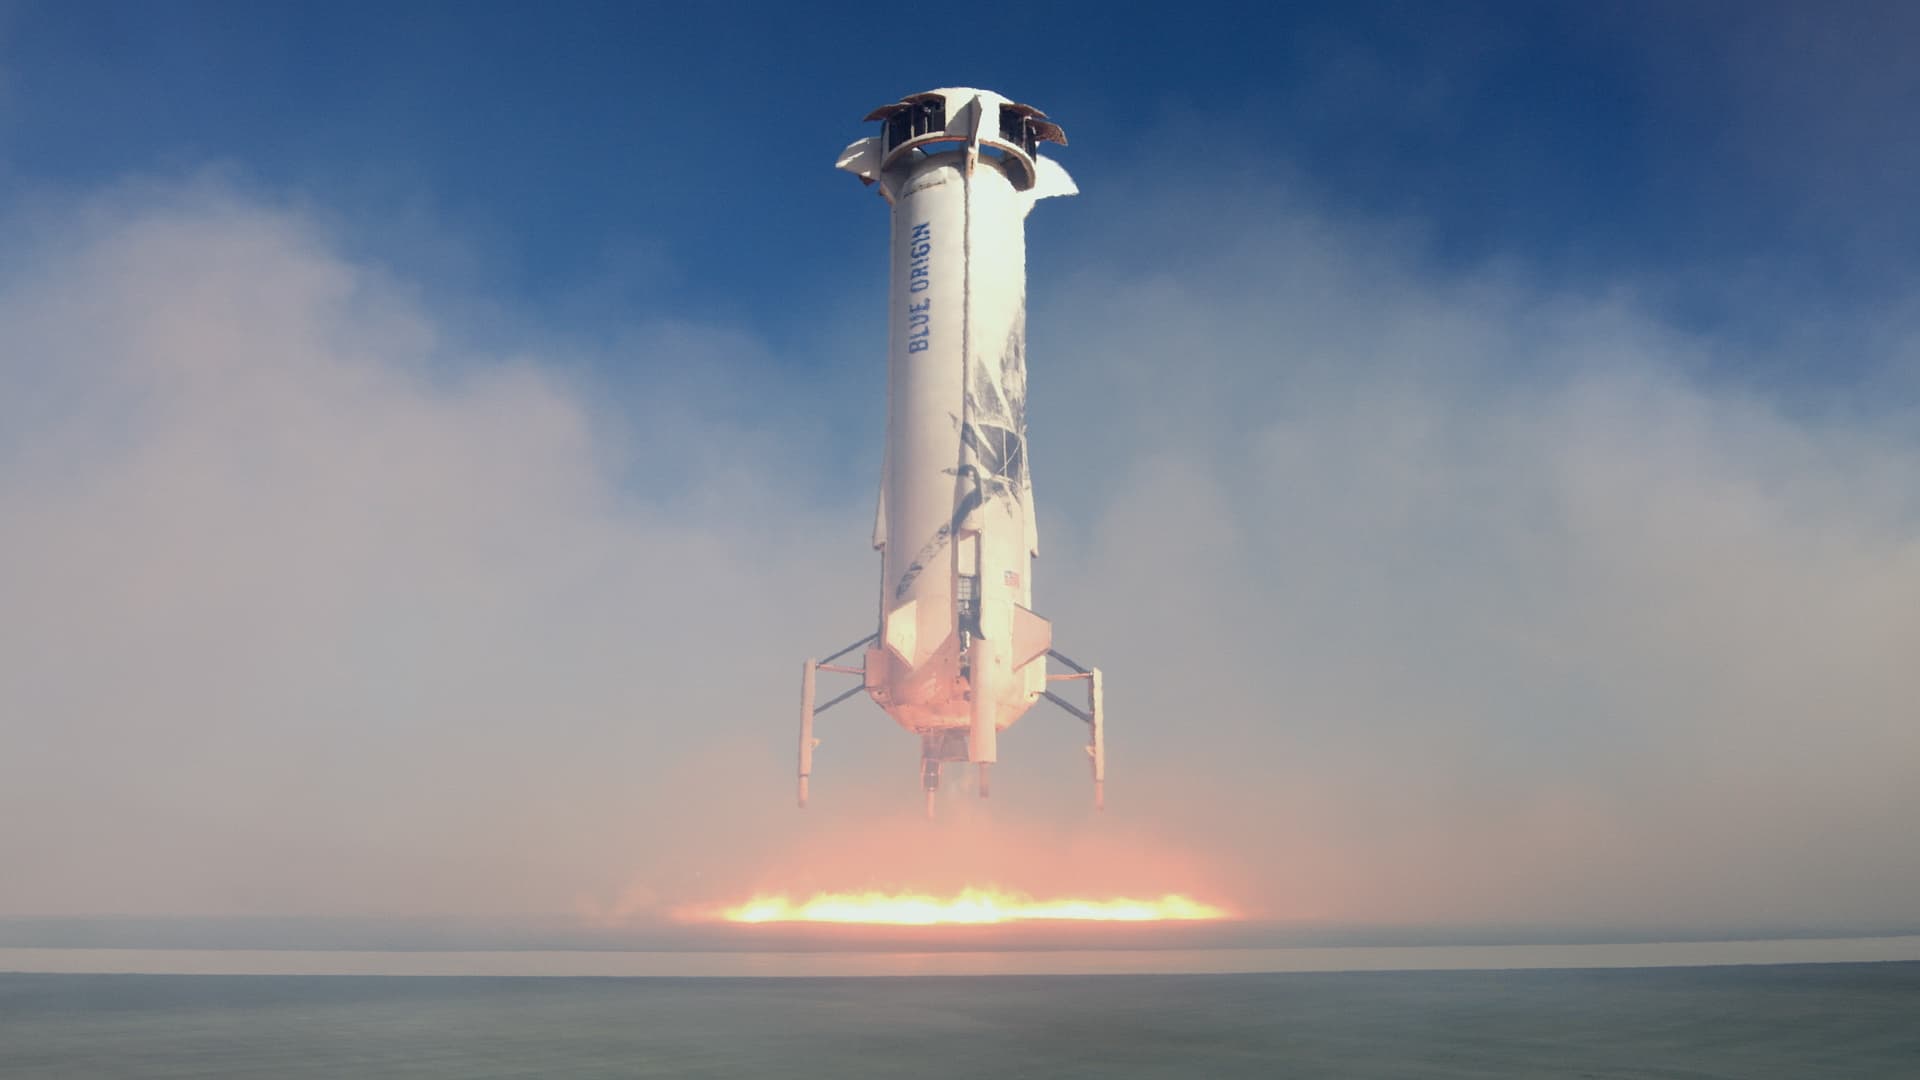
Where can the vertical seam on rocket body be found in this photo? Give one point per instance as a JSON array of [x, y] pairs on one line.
[[966, 372]]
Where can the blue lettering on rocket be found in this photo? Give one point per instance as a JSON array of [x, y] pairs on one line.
[[919, 323], [920, 251], [919, 317]]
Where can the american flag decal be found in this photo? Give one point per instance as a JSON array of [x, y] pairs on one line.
[[1013, 579]]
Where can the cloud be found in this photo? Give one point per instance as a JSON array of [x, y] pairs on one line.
[[1424, 597], [1499, 612], [310, 611]]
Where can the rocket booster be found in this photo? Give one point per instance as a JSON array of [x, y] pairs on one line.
[[959, 654], [955, 525]]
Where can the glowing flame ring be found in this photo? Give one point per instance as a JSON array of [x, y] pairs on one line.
[[973, 907]]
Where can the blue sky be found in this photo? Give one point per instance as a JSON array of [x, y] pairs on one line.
[[622, 150], [1476, 440]]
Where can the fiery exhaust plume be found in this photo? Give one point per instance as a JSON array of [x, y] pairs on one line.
[[970, 907]]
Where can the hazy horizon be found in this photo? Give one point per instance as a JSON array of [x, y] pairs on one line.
[[453, 934]]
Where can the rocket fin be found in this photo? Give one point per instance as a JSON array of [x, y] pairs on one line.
[[903, 630], [1050, 180], [862, 159], [1032, 637], [880, 521]]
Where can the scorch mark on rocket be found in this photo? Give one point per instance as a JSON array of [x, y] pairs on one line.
[[1001, 454], [932, 547], [996, 404]]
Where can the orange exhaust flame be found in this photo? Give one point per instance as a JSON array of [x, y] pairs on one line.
[[971, 907]]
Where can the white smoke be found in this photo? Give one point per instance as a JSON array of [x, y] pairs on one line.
[[1425, 594]]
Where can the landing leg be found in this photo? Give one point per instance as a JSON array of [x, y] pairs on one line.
[[1094, 717], [806, 728], [808, 710], [1097, 739]]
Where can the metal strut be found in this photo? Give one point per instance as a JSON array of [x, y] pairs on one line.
[[808, 710], [1092, 716]]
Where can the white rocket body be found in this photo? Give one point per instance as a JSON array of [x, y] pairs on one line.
[[959, 654]]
